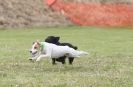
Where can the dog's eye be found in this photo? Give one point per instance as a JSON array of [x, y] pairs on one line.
[[35, 47]]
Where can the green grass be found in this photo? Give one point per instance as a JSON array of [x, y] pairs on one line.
[[110, 63]]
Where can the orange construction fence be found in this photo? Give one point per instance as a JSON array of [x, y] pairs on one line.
[[95, 14]]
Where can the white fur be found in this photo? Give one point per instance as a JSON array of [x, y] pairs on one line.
[[55, 51]]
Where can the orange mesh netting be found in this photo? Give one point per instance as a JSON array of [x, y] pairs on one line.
[[95, 14]]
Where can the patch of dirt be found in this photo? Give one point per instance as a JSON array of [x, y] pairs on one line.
[[26, 13]]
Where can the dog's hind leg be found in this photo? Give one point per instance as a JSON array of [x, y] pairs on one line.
[[63, 61], [71, 60]]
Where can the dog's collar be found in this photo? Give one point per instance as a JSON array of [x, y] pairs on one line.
[[42, 45]]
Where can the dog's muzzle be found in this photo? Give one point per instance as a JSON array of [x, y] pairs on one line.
[[33, 55]]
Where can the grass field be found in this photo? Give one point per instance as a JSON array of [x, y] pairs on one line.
[[110, 63]]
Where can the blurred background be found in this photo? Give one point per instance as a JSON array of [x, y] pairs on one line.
[[27, 13]]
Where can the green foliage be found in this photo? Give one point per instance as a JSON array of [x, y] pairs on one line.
[[108, 65]]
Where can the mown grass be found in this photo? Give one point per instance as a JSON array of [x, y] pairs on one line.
[[108, 65]]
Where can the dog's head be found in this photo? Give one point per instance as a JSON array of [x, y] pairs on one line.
[[52, 39], [35, 48]]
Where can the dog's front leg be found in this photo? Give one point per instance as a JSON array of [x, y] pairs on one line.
[[53, 61], [41, 56]]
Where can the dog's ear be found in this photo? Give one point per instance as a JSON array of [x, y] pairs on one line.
[[37, 41], [46, 40], [57, 39]]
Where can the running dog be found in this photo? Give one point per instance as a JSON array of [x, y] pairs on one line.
[[55, 40], [48, 50]]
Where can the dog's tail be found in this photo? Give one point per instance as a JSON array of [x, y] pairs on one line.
[[82, 53]]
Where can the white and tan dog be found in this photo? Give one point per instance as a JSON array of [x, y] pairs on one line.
[[48, 50]]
